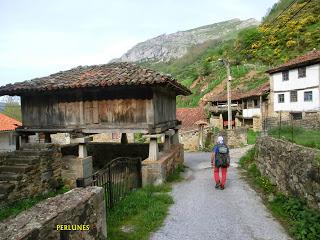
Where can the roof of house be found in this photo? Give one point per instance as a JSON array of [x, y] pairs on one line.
[[238, 94], [190, 117], [106, 75], [8, 123], [307, 59]]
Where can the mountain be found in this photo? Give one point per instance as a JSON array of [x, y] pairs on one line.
[[167, 47]]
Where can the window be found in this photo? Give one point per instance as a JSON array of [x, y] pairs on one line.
[[285, 76], [301, 72], [281, 98], [256, 103], [308, 96], [293, 96], [296, 115]]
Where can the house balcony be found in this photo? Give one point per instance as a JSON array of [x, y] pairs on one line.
[[220, 108], [249, 113]]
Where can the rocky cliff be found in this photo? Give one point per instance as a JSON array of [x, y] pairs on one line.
[[172, 46]]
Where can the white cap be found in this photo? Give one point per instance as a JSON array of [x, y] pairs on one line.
[[220, 139]]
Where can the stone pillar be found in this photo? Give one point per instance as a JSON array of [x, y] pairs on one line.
[[82, 150], [167, 143], [124, 139], [175, 136], [168, 139], [83, 164], [153, 146], [153, 149]]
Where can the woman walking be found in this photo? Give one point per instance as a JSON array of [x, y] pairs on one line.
[[220, 159]]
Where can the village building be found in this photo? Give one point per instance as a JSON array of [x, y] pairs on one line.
[[119, 98], [7, 135], [248, 108], [295, 87], [193, 128]]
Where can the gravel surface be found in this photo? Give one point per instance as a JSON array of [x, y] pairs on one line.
[[201, 212]]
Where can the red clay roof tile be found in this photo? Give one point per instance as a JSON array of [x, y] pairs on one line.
[[8, 123]]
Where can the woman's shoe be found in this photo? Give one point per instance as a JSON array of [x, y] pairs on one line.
[[218, 185], [221, 187]]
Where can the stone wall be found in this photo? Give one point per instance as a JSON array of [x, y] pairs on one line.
[[310, 120], [293, 168], [256, 123], [234, 138], [43, 176], [156, 172], [80, 206], [190, 139]]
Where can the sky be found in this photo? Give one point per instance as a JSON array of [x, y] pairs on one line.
[[41, 37]]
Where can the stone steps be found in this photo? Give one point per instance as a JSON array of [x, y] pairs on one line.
[[6, 188], [15, 168], [21, 160], [10, 177]]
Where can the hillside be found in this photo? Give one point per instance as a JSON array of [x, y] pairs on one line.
[[291, 28], [173, 46]]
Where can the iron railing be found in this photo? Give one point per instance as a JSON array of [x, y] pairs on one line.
[[118, 178]]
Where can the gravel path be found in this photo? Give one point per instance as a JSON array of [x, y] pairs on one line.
[[201, 212]]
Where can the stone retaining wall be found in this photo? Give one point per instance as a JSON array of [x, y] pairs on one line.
[[80, 206], [42, 177], [156, 172], [293, 168]]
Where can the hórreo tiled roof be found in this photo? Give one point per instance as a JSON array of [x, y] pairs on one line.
[[102, 76]]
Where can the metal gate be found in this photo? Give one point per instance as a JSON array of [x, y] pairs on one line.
[[118, 178]]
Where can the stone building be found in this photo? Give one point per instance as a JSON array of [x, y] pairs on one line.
[[248, 108], [111, 98]]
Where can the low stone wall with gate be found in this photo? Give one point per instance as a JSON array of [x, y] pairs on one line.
[[80, 208], [294, 169], [102, 153]]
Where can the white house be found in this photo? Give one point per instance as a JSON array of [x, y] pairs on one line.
[[295, 85], [7, 138]]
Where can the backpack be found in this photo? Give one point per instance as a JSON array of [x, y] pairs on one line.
[[221, 159]]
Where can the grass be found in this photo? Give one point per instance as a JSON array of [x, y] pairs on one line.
[[252, 136], [142, 211], [307, 138], [302, 222], [13, 209]]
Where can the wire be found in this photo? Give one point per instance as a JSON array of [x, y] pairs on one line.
[[296, 13], [293, 2]]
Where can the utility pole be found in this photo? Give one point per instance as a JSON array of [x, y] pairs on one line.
[[227, 64], [229, 95]]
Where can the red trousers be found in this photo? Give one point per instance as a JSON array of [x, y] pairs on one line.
[[217, 177]]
